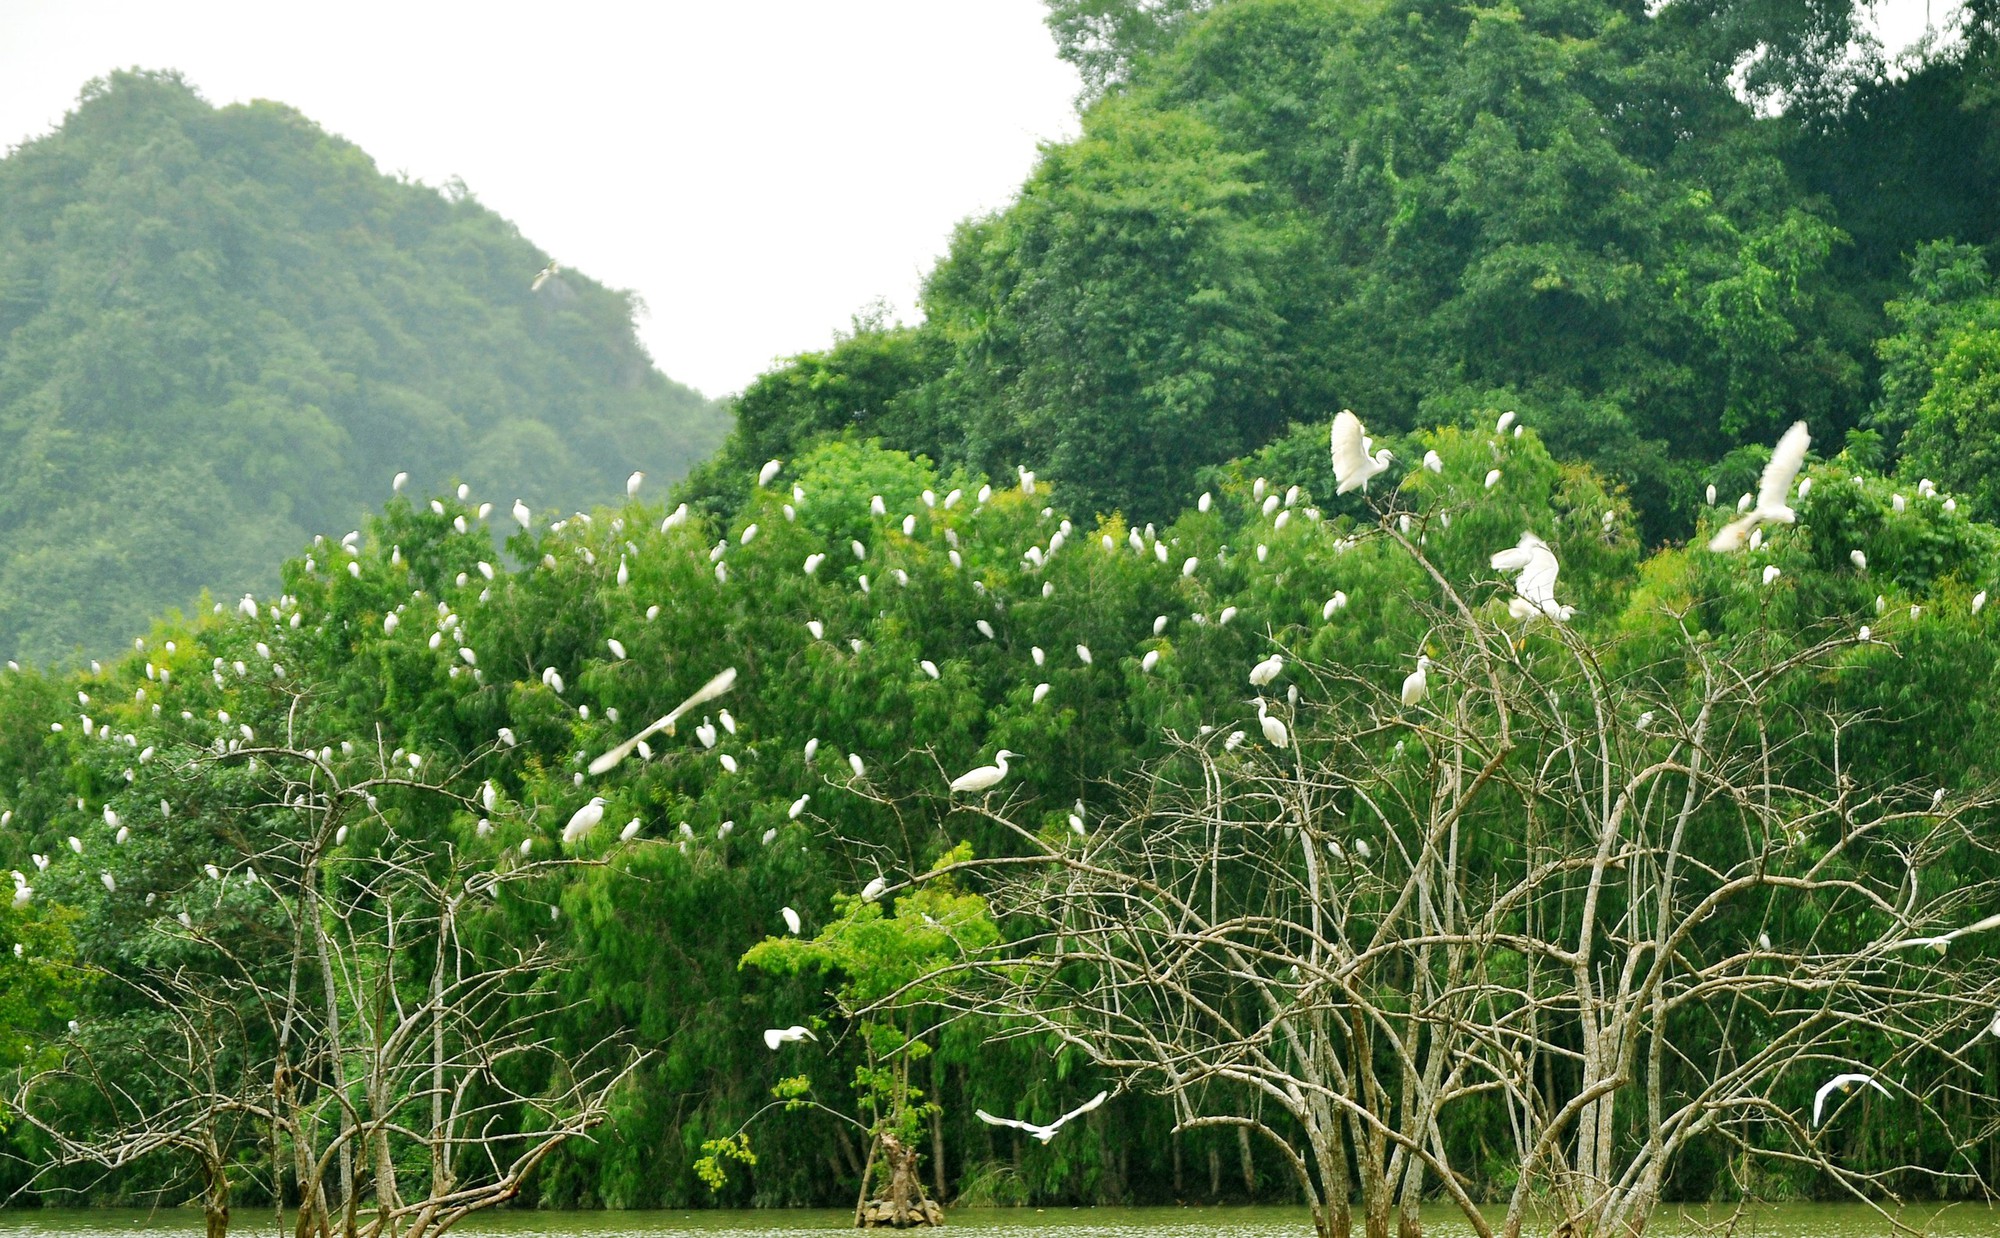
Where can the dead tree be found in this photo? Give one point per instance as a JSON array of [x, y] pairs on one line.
[[1547, 881], [378, 1020]]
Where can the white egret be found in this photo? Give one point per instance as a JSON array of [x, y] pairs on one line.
[[1337, 602], [1979, 601], [1492, 478], [1275, 733], [1897, 504], [630, 832], [1159, 624], [985, 628], [1774, 491], [1151, 660], [583, 821], [1267, 670], [1043, 1133], [715, 687], [1352, 465], [1859, 558], [798, 806], [874, 889], [1506, 419], [770, 470], [1434, 462], [1535, 585], [1041, 691], [110, 882], [929, 668], [544, 275], [792, 920], [1417, 682], [855, 763], [1711, 494], [985, 778], [1835, 1084], [812, 749], [775, 1036], [1083, 654]]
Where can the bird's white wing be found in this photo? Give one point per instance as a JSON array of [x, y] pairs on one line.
[[1731, 537], [1774, 488], [1536, 563], [1350, 455], [1978, 926], [1080, 1110], [1835, 1084], [1016, 1123], [707, 692]]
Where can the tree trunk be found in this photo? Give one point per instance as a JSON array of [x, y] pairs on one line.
[[902, 1205], [215, 1198]]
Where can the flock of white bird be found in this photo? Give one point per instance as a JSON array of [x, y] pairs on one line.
[[1531, 562]]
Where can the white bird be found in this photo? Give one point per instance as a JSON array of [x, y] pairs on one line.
[[110, 882], [775, 1036], [770, 470], [522, 516], [1535, 586], [1835, 1084], [1352, 465], [1041, 691], [707, 692], [1043, 1133], [583, 821], [616, 647], [1083, 654], [633, 483], [1506, 419], [1859, 558], [1417, 682], [1267, 670], [929, 667], [855, 763], [544, 276], [1492, 478], [23, 892], [1151, 660], [873, 890], [630, 832], [1275, 733], [798, 806], [792, 920], [1774, 492], [985, 777], [1979, 601], [1338, 602], [1434, 462], [1771, 573]]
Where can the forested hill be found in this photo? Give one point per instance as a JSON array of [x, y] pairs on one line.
[[223, 330], [1661, 232]]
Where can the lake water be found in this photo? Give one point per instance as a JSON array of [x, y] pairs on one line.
[[1789, 1221]]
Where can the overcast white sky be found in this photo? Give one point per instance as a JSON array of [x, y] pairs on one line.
[[757, 170]]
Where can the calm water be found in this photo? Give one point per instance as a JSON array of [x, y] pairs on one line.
[[1801, 1221]]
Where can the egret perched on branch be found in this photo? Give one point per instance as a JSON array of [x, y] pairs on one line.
[[1267, 670], [1043, 1133], [1835, 1084], [873, 890], [1274, 729], [775, 1036], [1417, 682], [1352, 465], [1774, 491], [770, 470], [583, 821], [792, 921], [1535, 586], [633, 483], [986, 777]]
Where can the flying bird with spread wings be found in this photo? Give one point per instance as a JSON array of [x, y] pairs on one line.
[[1043, 1133], [1774, 492]]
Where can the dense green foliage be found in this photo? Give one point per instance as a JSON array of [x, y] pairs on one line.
[[223, 330], [724, 840], [1278, 208]]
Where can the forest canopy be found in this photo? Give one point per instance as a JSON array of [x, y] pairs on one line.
[[223, 330], [1664, 232]]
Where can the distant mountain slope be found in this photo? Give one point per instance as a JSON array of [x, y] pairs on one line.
[[222, 330]]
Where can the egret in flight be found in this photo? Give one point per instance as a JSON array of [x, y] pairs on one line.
[[1535, 585], [707, 692], [985, 778], [1774, 491], [543, 276], [1043, 1133], [1352, 465], [1835, 1084], [775, 1036]]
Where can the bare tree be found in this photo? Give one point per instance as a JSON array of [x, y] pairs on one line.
[[366, 1004], [1545, 883]]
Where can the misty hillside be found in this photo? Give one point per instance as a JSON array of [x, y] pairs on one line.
[[223, 330]]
